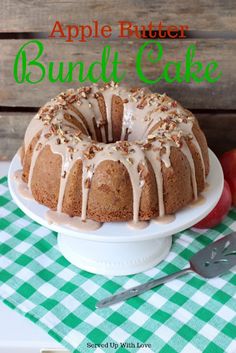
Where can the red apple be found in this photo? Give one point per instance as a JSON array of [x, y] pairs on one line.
[[228, 162], [232, 185], [220, 210]]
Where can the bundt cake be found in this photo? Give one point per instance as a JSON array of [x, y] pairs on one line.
[[114, 154]]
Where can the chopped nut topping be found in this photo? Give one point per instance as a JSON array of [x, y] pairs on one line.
[[87, 183], [164, 108], [151, 137], [130, 160], [147, 146], [142, 103], [143, 171], [39, 146], [47, 113], [112, 84], [191, 118], [70, 149], [90, 152], [162, 97], [96, 95], [53, 128], [133, 90], [72, 99], [78, 139], [123, 146], [64, 139], [178, 140]]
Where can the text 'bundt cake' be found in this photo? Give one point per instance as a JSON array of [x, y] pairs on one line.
[[114, 154]]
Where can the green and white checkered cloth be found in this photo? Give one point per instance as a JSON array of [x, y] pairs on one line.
[[188, 315]]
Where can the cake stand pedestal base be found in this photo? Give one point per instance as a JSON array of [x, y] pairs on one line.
[[114, 259]]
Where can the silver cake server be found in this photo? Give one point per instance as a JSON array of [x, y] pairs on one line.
[[212, 261]]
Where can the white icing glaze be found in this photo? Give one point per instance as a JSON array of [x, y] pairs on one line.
[[72, 222], [138, 225], [18, 176], [199, 201], [22, 187], [24, 191], [164, 219]]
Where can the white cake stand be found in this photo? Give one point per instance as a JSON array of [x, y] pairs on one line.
[[115, 249]]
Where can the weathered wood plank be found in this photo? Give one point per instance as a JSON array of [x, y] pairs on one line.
[[220, 95], [220, 130], [12, 130], [201, 15]]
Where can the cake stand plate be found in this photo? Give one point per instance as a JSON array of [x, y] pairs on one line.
[[116, 249]]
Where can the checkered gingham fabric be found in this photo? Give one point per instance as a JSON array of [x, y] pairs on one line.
[[188, 315]]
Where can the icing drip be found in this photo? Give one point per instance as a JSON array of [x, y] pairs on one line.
[[155, 160], [22, 187], [18, 176], [69, 156], [188, 154], [166, 156], [87, 175], [65, 171]]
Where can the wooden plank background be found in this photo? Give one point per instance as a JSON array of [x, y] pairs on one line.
[[38, 15], [214, 104]]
